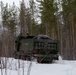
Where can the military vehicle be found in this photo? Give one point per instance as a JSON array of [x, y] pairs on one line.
[[40, 47]]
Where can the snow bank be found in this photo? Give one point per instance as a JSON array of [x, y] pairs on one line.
[[19, 67]]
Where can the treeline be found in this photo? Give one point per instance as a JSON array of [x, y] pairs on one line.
[[50, 17], [16, 21]]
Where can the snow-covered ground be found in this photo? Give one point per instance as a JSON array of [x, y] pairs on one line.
[[19, 67]]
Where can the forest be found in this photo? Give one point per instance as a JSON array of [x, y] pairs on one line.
[[55, 18]]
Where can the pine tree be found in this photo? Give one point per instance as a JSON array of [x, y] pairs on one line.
[[48, 18], [24, 27], [68, 12], [9, 21], [32, 12]]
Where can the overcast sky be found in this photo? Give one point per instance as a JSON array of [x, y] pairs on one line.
[[17, 2]]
